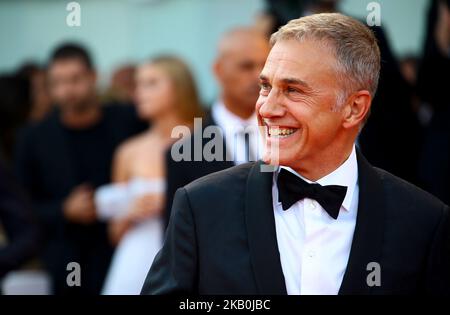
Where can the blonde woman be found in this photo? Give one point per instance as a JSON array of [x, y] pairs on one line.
[[167, 97]]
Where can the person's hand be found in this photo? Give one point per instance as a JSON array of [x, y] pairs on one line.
[[143, 207], [442, 31], [79, 206], [146, 206], [117, 228]]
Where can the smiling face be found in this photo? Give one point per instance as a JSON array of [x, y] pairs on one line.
[[297, 104]]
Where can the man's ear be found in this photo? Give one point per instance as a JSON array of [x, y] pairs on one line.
[[357, 108], [217, 69]]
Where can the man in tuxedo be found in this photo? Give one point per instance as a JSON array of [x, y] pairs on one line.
[[242, 53], [324, 221]]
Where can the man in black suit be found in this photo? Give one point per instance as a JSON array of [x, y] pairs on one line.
[[324, 221], [60, 162], [18, 223], [241, 56]]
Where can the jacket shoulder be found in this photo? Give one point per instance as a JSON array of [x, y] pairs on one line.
[[408, 196], [222, 181], [34, 131]]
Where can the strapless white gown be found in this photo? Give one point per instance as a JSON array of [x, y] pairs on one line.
[[137, 249]]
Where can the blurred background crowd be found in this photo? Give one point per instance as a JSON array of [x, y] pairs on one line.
[[86, 116]]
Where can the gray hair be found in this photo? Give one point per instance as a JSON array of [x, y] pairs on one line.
[[354, 45]]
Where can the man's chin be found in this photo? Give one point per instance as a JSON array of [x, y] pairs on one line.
[[272, 159], [278, 158], [77, 107]]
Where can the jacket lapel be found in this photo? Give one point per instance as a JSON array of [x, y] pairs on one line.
[[260, 221], [368, 236], [215, 166]]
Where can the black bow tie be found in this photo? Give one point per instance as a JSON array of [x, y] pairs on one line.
[[292, 188]]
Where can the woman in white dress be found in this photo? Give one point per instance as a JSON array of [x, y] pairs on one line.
[[166, 96]]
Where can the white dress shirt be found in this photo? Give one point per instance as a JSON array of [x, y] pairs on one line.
[[314, 248], [232, 126]]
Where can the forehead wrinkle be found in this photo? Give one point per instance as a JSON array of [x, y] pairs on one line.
[[269, 74], [292, 69], [280, 54]]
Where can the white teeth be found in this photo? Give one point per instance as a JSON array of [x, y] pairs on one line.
[[281, 132]]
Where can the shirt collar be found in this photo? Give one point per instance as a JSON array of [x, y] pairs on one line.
[[344, 175], [226, 119]]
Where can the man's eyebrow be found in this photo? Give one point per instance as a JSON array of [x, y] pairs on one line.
[[295, 81], [288, 80]]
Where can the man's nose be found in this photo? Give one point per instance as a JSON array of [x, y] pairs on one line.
[[271, 107]]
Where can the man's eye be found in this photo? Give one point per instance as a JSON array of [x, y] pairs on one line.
[[292, 90], [264, 86], [247, 66]]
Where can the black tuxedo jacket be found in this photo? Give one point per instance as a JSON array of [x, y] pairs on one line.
[[221, 238], [181, 173]]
